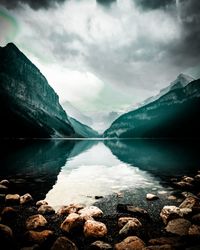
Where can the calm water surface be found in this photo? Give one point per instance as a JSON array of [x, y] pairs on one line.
[[64, 172]]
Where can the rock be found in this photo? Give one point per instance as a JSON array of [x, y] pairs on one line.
[[26, 198], [178, 226], [151, 197], [72, 222], [130, 226], [5, 183], [91, 211], [34, 247], [46, 209], [12, 198], [9, 213], [196, 219], [163, 247], [132, 209], [183, 184], [171, 197], [172, 212], [35, 221], [38, 237], [187, 194], [63, 243], [94, 229], [190, 202], [123, 220], [3, 188], [73, 208], [100, 245], [97, 197], [197, 177], [188, 179], [174, 241], [194, 230], [6, 233], [130, 243], [41, 202]]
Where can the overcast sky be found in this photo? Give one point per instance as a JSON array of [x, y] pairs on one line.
[[105, 55]]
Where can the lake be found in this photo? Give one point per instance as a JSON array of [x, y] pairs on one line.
[[75, 171]]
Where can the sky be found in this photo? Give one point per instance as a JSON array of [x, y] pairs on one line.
[[105, 55]]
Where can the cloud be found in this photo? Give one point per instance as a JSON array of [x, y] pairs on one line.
[[35, 4]]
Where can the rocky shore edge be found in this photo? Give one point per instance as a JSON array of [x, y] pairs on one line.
[[27, 224]]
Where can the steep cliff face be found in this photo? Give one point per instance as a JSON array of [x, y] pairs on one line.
[[175, 114], [29, 107]]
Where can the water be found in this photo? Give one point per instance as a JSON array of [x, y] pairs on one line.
[[64, 172]]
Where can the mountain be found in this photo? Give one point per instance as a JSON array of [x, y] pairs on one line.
[[29, 107], [76, 113], [174, 114], [181, 81]]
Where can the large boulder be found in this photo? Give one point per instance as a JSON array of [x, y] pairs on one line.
[[130, 243], [95, 229]]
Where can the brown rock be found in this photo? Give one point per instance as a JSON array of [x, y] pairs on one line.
[[123, 220], [35, 221], [26, 198], [63, 243], [6, 235], [12, 198], [94, 229], [151, 197], [100, 245], [46, 209], [130, 243], [41, 202], [178, 226], [91, 211], [73, 208], [38, 237], [5, 183], [8, 213], [72, 222], [189, 202], [130, 226], [194, 230]]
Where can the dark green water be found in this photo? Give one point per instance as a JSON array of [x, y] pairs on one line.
[[64, 171]]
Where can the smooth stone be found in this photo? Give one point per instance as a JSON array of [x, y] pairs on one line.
[[3, 188], [8, 213], [41, 202], [72, 222], [130, 243], [130, 226], [163, 247], [63, 243], [72, 208], [91, 211], [178, 226], [100, 245], [190, 202], [95, 229], [151, 197], [5, 183], [172, 212], [35, 221], [12, 198], [123, 220], [26, 198], [38, 237], [46, 209], [194, 230], [6, 233]]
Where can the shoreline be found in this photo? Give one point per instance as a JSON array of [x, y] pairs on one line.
[[146, 225]]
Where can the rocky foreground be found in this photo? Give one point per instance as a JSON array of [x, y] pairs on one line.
[[28, 224]]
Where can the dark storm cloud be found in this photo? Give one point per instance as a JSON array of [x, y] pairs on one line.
[[153, 4], [34, 4], [106, 2]]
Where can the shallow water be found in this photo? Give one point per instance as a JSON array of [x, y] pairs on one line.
[[64, 172]]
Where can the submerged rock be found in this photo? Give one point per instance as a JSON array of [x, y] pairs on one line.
[[91, 211], [95, 229], [26, 198], [63, 243], [46, 209], [38, 237], [130, 226], [130, 243], [178, 226], [72, 222], [100, 245], [35, 221], [12, 198]]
